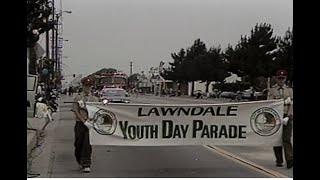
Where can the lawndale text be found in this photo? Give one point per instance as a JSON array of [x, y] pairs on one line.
[[189, 111]]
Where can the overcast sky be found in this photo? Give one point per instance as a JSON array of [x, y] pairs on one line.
[[111, 33]]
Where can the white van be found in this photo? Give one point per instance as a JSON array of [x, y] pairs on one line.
[[32, 83]]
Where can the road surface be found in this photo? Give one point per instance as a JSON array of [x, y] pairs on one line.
[[57, 159]]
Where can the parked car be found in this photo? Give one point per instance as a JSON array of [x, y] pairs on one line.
[[250, 95], [117, 95], [246, 94], [258, 95], [264, 95], [229, 95]]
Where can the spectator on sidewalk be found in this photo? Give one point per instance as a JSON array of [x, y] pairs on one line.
[[136, 92], [70, 91], [281, 91], [40, 89], [178, 92], [83, 149]]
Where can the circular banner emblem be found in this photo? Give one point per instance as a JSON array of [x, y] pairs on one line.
[[104, 122], [265, 121]]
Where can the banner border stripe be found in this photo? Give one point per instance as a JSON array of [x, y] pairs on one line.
[[187, 105]]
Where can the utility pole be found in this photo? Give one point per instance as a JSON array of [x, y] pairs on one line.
[[47, 47], [57, 60], [52, 41], [47, 41], [130, 68], [59, 40]]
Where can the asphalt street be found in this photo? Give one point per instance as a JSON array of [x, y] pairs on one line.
[[57, 159]]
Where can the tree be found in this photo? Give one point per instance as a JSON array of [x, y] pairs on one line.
[[191, 64], [212, 66], [234, 58], [38, 22], [133, 79], [175, 72], [105, 70], [252, 57], [185, 65], [284, 55]]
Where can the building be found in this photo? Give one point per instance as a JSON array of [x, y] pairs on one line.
[[160, 85], [144, 84]]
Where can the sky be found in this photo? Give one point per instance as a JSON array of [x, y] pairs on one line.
[[111, 33]]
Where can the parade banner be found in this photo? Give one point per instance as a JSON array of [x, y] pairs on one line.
[[246, 123]]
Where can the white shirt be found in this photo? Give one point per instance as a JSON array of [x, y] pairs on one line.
[[39, 90]]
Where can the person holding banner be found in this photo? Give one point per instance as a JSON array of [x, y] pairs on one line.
[[281, 91], [82, 145]]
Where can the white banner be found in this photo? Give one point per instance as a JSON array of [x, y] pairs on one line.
[[247, 123]]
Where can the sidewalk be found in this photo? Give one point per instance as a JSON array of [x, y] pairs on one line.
[[35, 136], [31, 141], [43, 164], [39, 145], [35, 125]]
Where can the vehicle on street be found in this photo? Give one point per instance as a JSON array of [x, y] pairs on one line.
[[264, 95], [117, 95], [251, 95], [228, 95], [259, 95]]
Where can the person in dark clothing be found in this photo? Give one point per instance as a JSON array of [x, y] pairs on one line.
[[83, 149], [82, 145], [70, 91], [281, 91]]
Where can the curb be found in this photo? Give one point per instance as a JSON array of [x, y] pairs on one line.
[[269, 172], [32, 142]]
